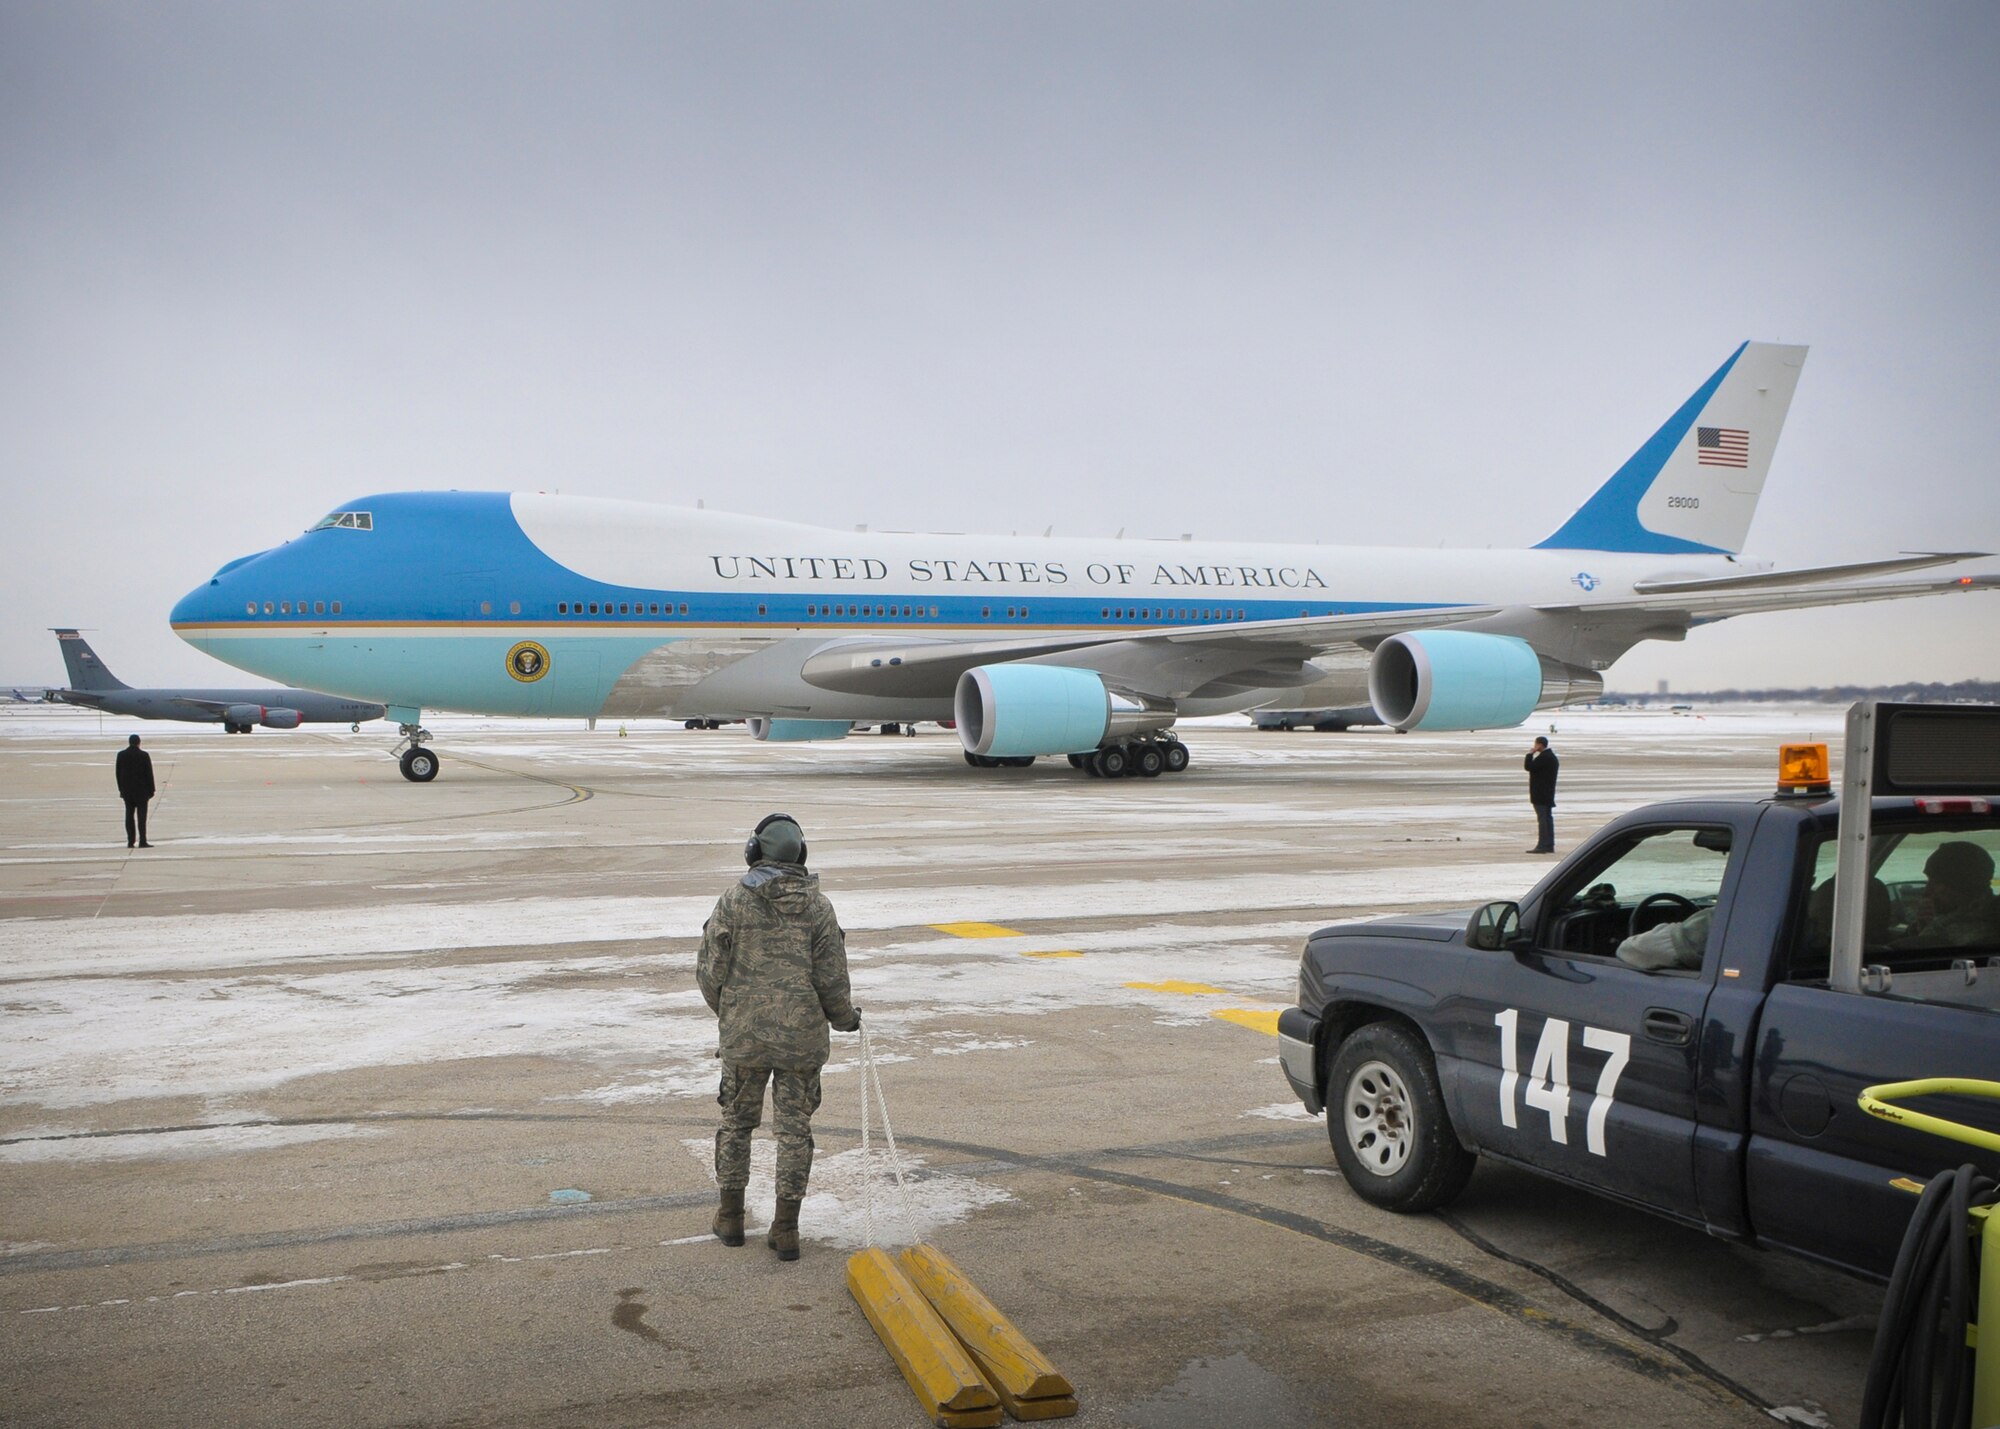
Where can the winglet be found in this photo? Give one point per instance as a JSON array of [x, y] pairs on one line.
[[1693, 486]]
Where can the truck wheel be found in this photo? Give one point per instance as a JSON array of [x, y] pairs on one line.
[[1386, 1120]]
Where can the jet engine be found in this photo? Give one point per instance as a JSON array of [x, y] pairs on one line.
[[1009, 711], [242, 717], [788, 731], [1462, 679]]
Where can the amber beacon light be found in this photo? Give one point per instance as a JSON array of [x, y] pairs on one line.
[[1804, 769]]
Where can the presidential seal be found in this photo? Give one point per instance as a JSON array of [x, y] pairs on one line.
[[527, 662]]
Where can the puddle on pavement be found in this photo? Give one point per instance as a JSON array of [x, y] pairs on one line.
[[1236, 1390]]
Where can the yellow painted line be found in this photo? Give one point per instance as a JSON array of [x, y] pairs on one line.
[[1192, 989], [976, 930], [1256, 1019], [1054, 953]]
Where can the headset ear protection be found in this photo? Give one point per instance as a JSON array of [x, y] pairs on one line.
[[753, 847]]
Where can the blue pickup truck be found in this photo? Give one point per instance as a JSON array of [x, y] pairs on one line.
[[1661, 1020]]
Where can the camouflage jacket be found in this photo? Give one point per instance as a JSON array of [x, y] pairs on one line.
[[773, 968]]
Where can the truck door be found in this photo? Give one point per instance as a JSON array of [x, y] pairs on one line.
[[1823, 1177], [1575, 1059]]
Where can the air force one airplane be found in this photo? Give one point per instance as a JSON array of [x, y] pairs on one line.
[[553, 605], [238, 711]]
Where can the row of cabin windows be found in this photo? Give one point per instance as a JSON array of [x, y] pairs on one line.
[[608, 607], [640, 607], [284, 607]]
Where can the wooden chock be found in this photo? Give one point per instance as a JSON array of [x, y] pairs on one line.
[[1029, 1386], [940, 1373]]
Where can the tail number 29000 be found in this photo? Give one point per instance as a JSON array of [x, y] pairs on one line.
[[1548, 1075]]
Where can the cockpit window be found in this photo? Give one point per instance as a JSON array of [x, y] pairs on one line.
[[346, 520]]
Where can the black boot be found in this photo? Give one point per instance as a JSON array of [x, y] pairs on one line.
[[728, 1225], [784, 1236]]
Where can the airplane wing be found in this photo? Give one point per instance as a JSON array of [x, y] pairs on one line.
[[1173, 662], [1210, 660]]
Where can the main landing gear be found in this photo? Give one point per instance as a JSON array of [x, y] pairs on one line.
[[1146, 758], [995, 761], [1143, 757], [419, 765]]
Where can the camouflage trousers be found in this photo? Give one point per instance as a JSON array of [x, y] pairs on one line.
[[794, 1099]]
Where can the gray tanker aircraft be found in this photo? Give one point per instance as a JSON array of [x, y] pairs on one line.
[[238, 711]]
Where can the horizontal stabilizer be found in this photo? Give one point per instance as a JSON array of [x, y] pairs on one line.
[[1815, 575]]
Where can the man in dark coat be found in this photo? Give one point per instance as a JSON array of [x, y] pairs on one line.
[[773, 968], [1541, 765], [135, 787]]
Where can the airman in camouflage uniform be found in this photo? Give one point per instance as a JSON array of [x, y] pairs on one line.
[[773, 968]]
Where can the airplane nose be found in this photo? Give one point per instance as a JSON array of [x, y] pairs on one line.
[[193, 611]]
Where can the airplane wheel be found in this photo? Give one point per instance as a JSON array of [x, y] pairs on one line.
[[1176, 755], [1019, 761], [419, 765], [1076, 761], [1110, 762], [354, 728], [1149, 763], [982, 761]]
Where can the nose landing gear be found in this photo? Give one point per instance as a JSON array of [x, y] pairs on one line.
[[419, 765]]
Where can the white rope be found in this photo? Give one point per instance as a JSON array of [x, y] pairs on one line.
[[872, 1079]]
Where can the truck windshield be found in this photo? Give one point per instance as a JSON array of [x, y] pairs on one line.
[[1933, 917]]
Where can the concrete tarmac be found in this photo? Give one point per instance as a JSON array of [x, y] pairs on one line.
[[358, 1102]]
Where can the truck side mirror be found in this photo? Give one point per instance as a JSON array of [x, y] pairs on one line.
[[1494, 928]]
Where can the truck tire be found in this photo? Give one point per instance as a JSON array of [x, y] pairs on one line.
[[1387, 1122]]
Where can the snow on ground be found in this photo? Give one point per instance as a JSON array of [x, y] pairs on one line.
[[196, 1141], [83, 1042], [54, 947], [232, 1005], [849, 1196]]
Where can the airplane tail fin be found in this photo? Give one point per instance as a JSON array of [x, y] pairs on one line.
[[1693, 486], [86, 671]]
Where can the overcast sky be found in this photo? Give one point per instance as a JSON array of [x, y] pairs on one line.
[[1376, 274]]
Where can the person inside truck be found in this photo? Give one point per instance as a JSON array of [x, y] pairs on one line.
[[1815, 947], [1670, 945], [1959, 908]]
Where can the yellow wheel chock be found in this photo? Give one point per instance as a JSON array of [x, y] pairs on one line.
[[962, 1358], [940, 1373], [1028, 1385]]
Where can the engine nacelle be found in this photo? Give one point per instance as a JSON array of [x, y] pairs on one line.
[[1007, 711], [790, 731], [281, 719], [1462, 679]]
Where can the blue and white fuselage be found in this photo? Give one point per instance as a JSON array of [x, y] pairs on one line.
[[569, 606], [649, 610]]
